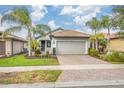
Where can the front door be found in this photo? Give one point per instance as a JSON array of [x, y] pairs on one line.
[[43, 46]]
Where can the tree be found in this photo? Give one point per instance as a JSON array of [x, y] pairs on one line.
[[107, 23], [40, 30], [119, 16], [22, 17], [95, 25], [119, 19], [98, 36]]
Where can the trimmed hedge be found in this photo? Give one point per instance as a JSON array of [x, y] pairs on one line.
[[93, 52]]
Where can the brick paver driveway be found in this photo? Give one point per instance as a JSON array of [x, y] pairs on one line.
[[91, 75], [87, 74], [78, 59]]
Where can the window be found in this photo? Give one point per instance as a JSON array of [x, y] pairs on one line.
[[49, 43]]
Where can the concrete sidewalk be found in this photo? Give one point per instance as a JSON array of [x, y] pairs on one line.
[[62, 67], [105, 83]]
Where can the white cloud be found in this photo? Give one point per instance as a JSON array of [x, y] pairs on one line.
[[81, 20], [81, 14], [67, 10], [52, 24], [78, 20], [38, 13], [69, 23], [79, 10]]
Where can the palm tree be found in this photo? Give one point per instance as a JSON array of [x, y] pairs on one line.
[[22, 17], [119, 18], [94, 24], [97, 37], [107, 23]]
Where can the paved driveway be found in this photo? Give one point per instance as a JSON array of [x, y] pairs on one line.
[[91, 75], [78, 59]]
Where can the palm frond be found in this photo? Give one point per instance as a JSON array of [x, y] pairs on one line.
[[12, 29], [41, 29], [94, 24], [19, 15], [8, 18]]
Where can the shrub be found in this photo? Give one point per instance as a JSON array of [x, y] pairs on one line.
[[38, 52], [115, 56], [47, 54], [93, 52]]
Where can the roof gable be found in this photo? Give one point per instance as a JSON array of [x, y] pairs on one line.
[[10, 36], [69, 33]]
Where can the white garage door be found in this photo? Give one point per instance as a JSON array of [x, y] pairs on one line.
[[70, 47]]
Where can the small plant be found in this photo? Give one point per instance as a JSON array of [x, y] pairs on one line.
[[115, 56], [47, 54], [93, 52], [38, 52], [102, 45], [35, 45]]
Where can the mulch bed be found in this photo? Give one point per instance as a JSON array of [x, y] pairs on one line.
[[39, 57]]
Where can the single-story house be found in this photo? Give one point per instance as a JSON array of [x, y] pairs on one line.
[[116, 42], [11, 45], [65, 42]]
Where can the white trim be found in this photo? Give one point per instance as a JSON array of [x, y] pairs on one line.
[[86, 47]]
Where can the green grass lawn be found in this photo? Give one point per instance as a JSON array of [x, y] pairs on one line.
[[30, 76], [20, 60]]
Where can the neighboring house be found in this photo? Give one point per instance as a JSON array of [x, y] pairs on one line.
[[11, 45], [116, 42], [65, 42]]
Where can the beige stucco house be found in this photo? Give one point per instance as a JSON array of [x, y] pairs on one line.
[[11, 45], [116, 42], [65, 42]]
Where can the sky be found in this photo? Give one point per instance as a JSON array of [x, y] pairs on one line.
[[68, 17]]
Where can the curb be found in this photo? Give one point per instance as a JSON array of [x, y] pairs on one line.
[[75, 84]]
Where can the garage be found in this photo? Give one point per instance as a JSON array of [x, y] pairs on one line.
[[2, 47], [71, 47]]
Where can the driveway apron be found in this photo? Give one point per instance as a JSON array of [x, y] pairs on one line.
[[87, 74]]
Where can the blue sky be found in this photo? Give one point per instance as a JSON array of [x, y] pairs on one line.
[[67, 17]]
